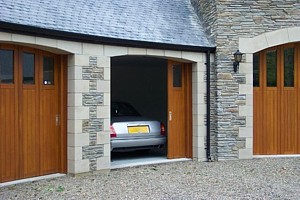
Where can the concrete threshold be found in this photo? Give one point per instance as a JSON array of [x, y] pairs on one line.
[[133, 163], [278, 156], [26, 180]]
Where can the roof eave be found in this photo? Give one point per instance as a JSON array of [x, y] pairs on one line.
[[55, 34]]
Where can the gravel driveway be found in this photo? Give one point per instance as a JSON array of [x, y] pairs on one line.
[[245, 179]]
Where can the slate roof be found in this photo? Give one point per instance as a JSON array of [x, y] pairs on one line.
[[159, 21]]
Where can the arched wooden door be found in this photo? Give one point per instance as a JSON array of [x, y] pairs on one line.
[[30, 140], [276, 100]]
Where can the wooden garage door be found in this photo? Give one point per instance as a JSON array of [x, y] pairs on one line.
[[276, 100], [179, 110], [30, 144]]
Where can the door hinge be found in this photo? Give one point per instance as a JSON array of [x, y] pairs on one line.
[[170, 116]]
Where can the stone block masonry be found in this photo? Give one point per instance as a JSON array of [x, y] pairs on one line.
[[225, 21], [92, 99]]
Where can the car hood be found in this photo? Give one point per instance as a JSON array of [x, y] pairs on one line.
[[129, 119]]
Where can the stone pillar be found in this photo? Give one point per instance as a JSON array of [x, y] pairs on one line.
[[88, 111], [103, 112], [77, 113], [246, 108], [199, 110]]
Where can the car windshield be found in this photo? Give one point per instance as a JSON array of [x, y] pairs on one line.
[[123, 109]]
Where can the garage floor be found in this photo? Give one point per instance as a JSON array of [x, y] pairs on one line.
[[130, 159]]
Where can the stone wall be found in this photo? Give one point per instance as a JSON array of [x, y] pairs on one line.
[[213, 113], [206, 10], [92, 99], [226, 21]]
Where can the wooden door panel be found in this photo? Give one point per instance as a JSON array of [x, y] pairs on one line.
[[258, 144], [30, 133], [270, 122], [189, 115], [288, 101], [175, 119], [179, 119], [9, 138], [297, 66], [29, 137], [276, 122], [177, 126], [288, 122], [48, 132]]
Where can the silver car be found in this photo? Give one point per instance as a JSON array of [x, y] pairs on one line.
[[130, 131]]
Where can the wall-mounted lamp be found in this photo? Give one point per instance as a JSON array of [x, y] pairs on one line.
[[237, 59]]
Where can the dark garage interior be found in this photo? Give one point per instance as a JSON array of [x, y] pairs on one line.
[[142, 82]]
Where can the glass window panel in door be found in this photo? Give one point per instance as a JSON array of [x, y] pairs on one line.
[[256, 60], [289, 67], [48, 70], [28, 68], [271, 62], [6, 66], [177, 74]]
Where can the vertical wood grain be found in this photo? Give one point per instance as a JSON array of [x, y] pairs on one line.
[[277, 110], [179, 128], [30, 141], [49, 139], [9, 129]]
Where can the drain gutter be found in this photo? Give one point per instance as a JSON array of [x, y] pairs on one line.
[[208, 156]]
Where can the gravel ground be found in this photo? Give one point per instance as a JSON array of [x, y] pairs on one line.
[[244, 179]]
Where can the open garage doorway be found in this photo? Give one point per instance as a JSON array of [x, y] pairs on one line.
[[142, 82]]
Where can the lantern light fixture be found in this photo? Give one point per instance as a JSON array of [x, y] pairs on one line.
[[237, 59]]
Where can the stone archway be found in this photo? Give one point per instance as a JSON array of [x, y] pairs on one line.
[[269, 39]]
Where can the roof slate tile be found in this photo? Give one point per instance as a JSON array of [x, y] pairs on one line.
[[160, 21]]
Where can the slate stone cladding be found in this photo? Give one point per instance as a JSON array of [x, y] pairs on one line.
[[93, 125], [225, 22], [207, 8], [213, 114], [208, 12], [91, 152]]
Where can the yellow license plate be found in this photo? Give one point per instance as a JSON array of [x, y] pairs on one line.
[[138, 129]]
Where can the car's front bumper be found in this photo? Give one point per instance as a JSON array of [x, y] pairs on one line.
[[137, 143]]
